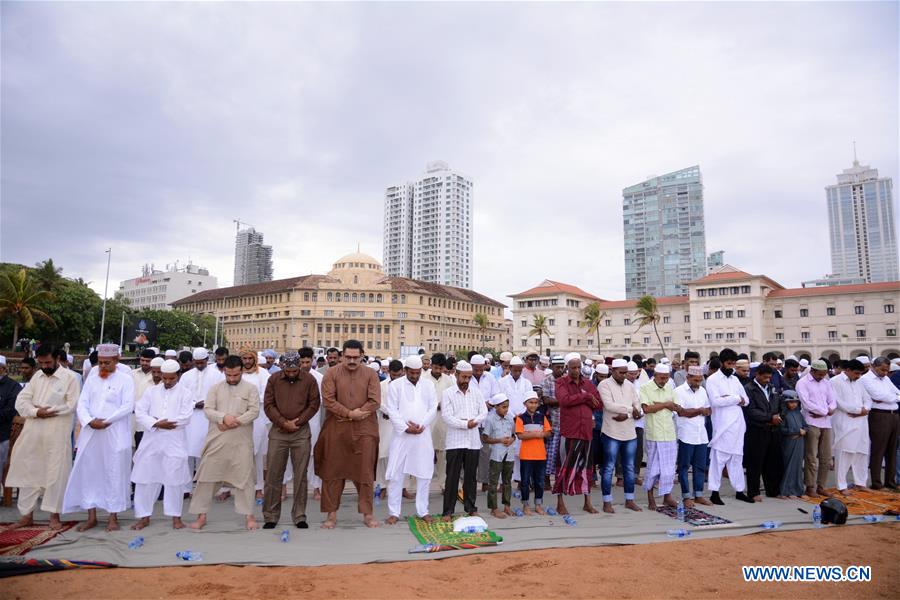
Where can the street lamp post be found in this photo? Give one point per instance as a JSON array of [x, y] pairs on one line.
[[105, 288]]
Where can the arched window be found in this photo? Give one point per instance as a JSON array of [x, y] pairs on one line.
[[346, 297], [393, 298], [354, 297], [402, 298], [330, 297], [380, 298], [372, 298], [337, 296], [362, 297], [356, 279], [306, 296]]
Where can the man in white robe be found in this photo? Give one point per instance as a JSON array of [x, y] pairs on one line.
[[315, 426], [162, 458], [258, 375], [42, 455], [850, 425], [385, 429], [412, 407], [199, 381], [514, 386], [726, 398], [101, 475], [143, 379]]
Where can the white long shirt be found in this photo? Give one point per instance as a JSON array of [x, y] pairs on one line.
[[199, 383], [162, 456], [515, 390], [411, 454], [884, 395], [726, 397], [850, 433], [691, 430], [457, 409], [487, 385]]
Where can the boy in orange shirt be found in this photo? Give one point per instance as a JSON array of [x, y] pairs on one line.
[[532, 427]]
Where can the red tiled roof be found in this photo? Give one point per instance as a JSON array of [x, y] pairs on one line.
[[723, 276], [885, 286], [404, 284], [548, 287], [661, 301], [305, 282]]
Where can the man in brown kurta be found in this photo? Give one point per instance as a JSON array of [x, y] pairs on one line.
[[348, 444]]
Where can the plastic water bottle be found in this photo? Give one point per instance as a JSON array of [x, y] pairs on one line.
[[519, 512], [551, 512], [771, 524], [285, 535], [259, 501], [473, 529], [678, 533], [679, 511], [570, 520], [419, 548], [873, 518], [817, 517], [136, 543], [377, 494], [516, 494], [189, 555]]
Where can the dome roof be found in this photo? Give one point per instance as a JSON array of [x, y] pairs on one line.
[[357, 260]]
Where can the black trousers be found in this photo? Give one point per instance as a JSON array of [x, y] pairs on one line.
[[762, 456], [883, 431], [460, 459]]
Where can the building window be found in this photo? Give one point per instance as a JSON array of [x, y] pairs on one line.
[[524, 323], [777, 314], [891, 333], [888, 308], [832, 335], [745, 289], [524, 341], [707, 336], [379, 314], [306, 296], [830, 311], [719, 335], [687, 318], [330, 296], [552, 322], [627, 321], [718, 314], [646, 340], [804, 335], [729, 314], [329, 313], [779, 336], [701, 293], [741, 313], [729, 335], [552, 341], [742, 335], [859, 310], [608, 322], [627, 341], [667, 339], [804, 312], [860, 333], [666, 319]]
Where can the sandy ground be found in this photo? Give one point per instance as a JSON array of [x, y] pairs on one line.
[[678, 569]]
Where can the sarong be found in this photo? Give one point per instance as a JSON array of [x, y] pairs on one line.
[[573, 476], [553, 442]]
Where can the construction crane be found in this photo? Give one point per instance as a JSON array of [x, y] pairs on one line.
[[237, 224]]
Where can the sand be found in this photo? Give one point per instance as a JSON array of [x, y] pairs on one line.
[[688, 569]]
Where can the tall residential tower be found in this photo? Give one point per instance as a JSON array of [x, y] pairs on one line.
[[252, 259], [428, 227], [861, 225], [665, 236]]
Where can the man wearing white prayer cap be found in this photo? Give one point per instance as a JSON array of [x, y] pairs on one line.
[[488, 386], [161, 460], [632, 374], [101, 474], [156, 369], [171, 353], [198, 381], [658, 403]]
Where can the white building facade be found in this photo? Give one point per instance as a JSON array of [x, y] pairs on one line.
[[156, 290], [428, 228]]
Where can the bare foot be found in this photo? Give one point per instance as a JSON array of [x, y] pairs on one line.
[[608, 508], [689, 503], [795, 497], [703, 501], [89, 524], [474, 513], [200, 523], [589, 508], [782, 497], [391, 520], [631, 505], [428, 519], [407, 495], [846, 493], [143, 522], [497, 513], [330, 521], [177, 523], [539, 510], [651, 505], [55, 523], [526, 510], [638, 481], [447, 518], [112, 523], [370, 521], [668, 500], [757, 498], [251, 523], [317, 494], [561, 507], [507, 510], [28, 521]]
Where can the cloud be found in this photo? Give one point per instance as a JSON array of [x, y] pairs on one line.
[[149, 127]]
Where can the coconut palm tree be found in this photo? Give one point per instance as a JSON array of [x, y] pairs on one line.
[[482, 322], [19, 299], [593, 317], [540, 329], [47, 274], [647, 313]]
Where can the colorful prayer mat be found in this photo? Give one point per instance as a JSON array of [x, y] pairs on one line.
[[693, 516], [865, 502], [18, 565], [439, 535], [16, 542]]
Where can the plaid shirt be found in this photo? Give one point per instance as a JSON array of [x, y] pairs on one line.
[[457, 409], [549, 387]]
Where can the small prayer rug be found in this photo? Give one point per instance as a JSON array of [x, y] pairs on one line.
[[18, 565], [865, 502], [693, 516], [16, 542], [439, 536]]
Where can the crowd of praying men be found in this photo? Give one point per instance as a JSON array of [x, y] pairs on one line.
[[261, 426]]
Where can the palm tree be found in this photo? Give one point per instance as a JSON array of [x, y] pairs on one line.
[[648, 314], [19, 299], [540, 329], [482, 321], [593, 317], [47, 274]]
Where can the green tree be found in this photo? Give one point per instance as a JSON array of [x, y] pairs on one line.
[[539, 328], [21, 301], [76, 311], [482, 322], [176, 329], [116, 307], [647, 313], [593, 317], [47, 275]]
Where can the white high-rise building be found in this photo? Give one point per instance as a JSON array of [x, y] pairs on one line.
[[428, 227], [157, 290], [252, 259], [861, 225]]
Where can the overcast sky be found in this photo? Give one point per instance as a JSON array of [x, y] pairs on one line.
[[148, 128]]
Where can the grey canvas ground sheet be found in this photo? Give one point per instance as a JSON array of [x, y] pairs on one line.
[[223, 541]]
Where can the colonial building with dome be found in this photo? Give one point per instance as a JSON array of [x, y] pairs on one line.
[[355, 300]]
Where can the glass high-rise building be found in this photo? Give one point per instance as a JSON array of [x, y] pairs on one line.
[[428, 227], [861, 225], [252, 259], [665, 235]]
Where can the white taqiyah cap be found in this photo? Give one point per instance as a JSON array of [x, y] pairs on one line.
[[529, 395], [477, 359], [572, 356], [171, 366], [804, 363], [515, 361], [864, 359], [632, 366], [497, 399], [505, 356], [618, 363], [601, 369], [588, 362], [661, 368], [171, 353], [489, 356], [106, 351], [200, 353], [157, 362], [374, 366], [463, 367], [413, 362]]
